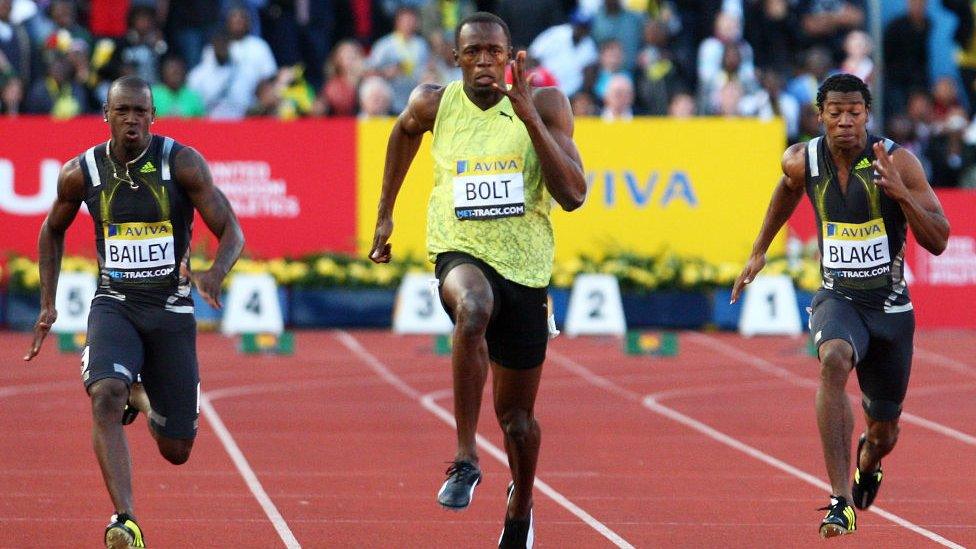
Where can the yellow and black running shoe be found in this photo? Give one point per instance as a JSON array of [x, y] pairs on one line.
[[865, 486], [123, 533], [840, 518]]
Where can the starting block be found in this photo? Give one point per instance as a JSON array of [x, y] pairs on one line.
[[654, 344], [443, 344], [267, 343], [71, 342]]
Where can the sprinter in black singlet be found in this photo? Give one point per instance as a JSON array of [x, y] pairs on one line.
[[141, 190], [866, 192]]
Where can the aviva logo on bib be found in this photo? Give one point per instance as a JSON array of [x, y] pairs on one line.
[[855, 231], [139, 231], [490, 165], [148, 167]]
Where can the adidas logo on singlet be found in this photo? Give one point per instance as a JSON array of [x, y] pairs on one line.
[[862, 164], [148, 167]]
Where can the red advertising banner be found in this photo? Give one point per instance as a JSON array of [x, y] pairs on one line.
[[943, 287], [291, 184]]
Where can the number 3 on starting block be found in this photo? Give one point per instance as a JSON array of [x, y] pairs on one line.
[[252, 306], [418, 307]]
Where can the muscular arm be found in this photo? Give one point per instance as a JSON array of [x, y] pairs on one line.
[[405, 139], [916, 198], [193, 175], [552, 137], [786, 196], [71, 192]]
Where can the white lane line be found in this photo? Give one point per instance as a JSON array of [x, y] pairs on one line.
[[31, 388], [764, 365], [651, 402], [957, 366], [427, 401], [244, 468]]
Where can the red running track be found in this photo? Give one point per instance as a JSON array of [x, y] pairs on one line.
[[344, 445]]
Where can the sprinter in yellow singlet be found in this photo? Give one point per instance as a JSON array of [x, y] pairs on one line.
[[501, 155]]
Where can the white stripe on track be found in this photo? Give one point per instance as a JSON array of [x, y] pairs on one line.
[[427, 402], [244, 468], [651, 403], [764, 365]]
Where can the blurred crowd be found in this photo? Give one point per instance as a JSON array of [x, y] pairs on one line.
[[230, 59]]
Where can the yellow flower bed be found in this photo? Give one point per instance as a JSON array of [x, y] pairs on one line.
[[635, 273]]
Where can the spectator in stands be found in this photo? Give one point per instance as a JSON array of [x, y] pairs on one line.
[[965, 12], [825, 23], [441, 67], [771, 30], [658, 78], [84, 76], [270, 102], [191, 24], [614, 22], [899, 128], [945, 145], [715, 92], [610, 65], [301, 33], [442, 16], [142, 46], [697, 23], [401, 56], [906, 56], [619, 102], [727, 100], [57, 94], [11, 96], [225, 86], [809, 122], [772, 100], [682, 106], [527, 20], [64, 16], [375, 98], [919, 113], [728, 35], [537, 75], [583, 104], [15, 46], [565, 50], [817, 64], [857, 61], [343, 72], [246, 49], [171, 96]]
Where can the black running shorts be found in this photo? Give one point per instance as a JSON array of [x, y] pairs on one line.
[[130, 340], [518, 331], [882, 344]]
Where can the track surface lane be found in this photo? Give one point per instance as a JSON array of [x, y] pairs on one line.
[[349, 460]]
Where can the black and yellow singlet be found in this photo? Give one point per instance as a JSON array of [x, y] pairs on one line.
[[489, 199], [143, 221], [861, 233]]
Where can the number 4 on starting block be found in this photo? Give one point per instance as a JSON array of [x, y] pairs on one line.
[[253, 312]]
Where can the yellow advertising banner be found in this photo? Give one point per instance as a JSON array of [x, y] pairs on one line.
[[697, 188]]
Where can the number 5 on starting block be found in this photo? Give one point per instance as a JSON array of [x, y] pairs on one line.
[[73, 301]]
